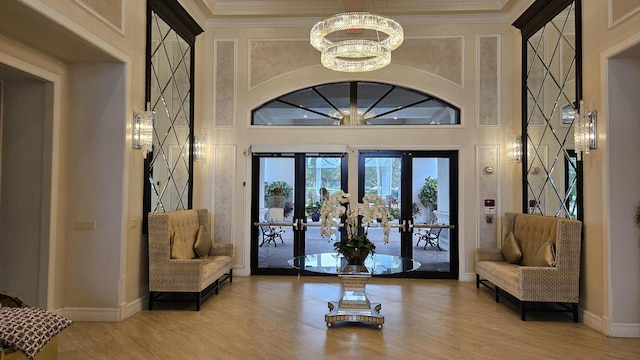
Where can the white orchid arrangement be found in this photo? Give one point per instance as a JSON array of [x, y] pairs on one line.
[[370, 210]]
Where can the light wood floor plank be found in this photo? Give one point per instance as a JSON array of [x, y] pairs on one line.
[[282, 317]]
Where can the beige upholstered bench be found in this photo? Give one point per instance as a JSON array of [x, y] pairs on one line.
[[183, 258], [539, 261]]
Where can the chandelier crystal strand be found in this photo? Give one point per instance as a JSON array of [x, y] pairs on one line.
[[356, 55]]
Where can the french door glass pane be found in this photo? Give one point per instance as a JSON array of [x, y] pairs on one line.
[[276, 205], [416, 194], [322, 178], [430, 206], [382, 177], [292, 189]]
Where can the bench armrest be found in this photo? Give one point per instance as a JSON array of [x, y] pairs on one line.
[[221, 249], [489, 254], [549, 284]]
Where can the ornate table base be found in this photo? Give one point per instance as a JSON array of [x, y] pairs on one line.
[[354, 305]]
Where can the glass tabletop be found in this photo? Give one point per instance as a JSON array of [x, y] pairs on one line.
[[334, 263]]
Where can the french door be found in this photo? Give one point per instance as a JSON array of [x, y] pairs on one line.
[[420, 189], [286, 200]]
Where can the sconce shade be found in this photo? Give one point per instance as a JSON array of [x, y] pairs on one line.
[[143, 131], [585, 131], [199, 148], [514, 149]]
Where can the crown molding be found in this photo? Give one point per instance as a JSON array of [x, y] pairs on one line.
[[403, 20]]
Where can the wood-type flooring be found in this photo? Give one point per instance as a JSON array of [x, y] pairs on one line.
[[282, 317]]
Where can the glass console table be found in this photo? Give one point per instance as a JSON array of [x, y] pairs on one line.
[[354, 305]]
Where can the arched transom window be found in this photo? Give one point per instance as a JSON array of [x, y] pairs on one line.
[[372, 103]]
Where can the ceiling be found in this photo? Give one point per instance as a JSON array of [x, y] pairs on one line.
[[323, 8], [27, 25]]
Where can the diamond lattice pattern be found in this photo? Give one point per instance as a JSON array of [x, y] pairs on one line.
[[551, 85], [170, 98]]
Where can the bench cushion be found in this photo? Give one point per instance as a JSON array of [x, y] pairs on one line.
[[504, 275]]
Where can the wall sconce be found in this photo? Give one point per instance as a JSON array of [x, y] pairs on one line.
[[200, 148], [585, 131], [142, 134], [514, 149]]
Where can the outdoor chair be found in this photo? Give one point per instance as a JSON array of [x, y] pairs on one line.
[[430, 237], [270, 234]]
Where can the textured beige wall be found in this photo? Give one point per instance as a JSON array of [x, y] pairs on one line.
[[272, 58], [225, 82], [488, 83], [441, 56]]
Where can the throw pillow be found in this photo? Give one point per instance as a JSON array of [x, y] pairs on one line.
[[511, 249], [546, 255], [29, 329], [203, 243]]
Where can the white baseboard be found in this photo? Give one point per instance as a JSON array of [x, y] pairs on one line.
[[623, 330], [133, 307], [241, 271], [104, 314], [605, 326], [468, 277], [593, 321], [90, 314]]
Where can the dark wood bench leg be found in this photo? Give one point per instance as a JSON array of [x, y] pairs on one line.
[[477, 281], [198, 300], [574, 307], [523, 310], [497, 294], [150, 300]]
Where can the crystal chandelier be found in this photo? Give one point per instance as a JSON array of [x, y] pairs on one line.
[[356, 55]]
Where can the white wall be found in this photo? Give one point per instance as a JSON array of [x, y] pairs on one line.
[[623, 76], [95, 147], [24, 225]]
